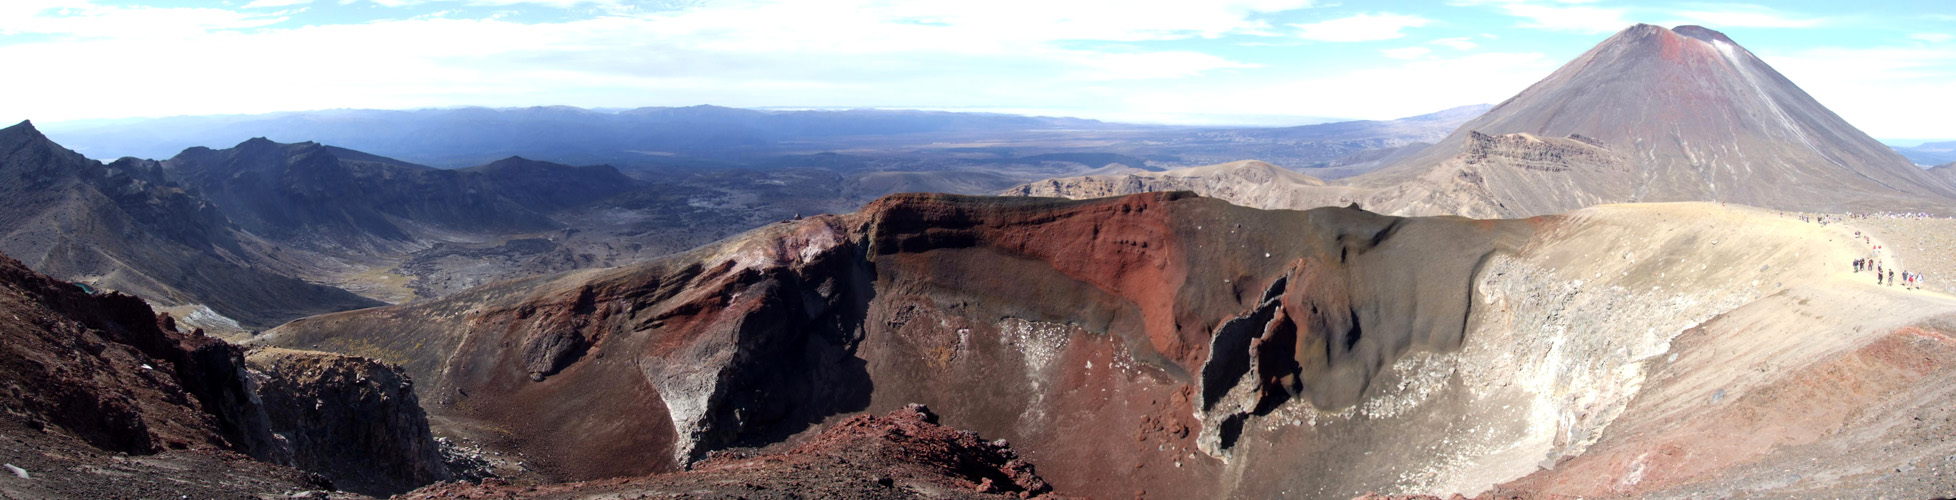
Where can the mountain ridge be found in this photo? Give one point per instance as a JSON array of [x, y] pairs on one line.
[[124, 226]]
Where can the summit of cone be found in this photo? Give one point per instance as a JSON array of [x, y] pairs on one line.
[[1651, 114], [1694, 117]]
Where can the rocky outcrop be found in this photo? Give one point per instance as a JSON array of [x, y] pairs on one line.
[[353, 420], [1508, 174], [105, 369], [1528, 152], [89, 373], [902, 454], [1248, 183], [998, 309]]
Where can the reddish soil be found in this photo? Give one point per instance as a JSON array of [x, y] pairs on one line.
[[102, 398], [904, 454], [1081, 330]]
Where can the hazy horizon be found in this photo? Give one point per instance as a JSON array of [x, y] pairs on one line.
[[1886, 68]]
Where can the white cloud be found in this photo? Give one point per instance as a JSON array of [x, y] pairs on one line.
[[86, 19], [1932, 37], [1461, 43], [260, 4], [1360, 28], [1580, 19], [1561, 15], [1383, 92], [1742, 16], [1023, 53], [562, 4], [1406, 53]]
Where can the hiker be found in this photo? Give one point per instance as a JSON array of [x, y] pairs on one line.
[[1891, 277]]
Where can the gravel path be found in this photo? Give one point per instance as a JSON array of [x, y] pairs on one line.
[[1920, 245]]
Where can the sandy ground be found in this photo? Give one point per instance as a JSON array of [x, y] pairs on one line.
[[1806, 380], [1926, 246]]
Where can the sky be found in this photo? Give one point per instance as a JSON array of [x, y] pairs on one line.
[[1887, 67]]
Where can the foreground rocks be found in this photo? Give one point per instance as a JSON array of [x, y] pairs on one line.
[[102, 398], [351, 419], [903, 454]]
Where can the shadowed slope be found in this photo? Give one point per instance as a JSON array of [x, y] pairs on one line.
[[327, 197], [122, 226], [106, 399]]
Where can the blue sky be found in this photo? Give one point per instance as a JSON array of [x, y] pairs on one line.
[[1888, 67]]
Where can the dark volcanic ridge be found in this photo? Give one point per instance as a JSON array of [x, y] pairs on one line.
[[105, 399], [326, 198], [125, 226]]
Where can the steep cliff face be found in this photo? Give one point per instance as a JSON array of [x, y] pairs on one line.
[[1159, 343], [1501, 175], [353, 420], [1005, 312], [82, 374], [902, 454], [1248, 183]]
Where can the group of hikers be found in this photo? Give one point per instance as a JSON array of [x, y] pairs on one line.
[[1888, 276], [1893, 215], [1818, 219], [1823, 220], [1883, 275]]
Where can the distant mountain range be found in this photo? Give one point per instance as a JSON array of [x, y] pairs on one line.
[[473, 136], [324, 196], [713, 136], [125, 226], [1930, 153], [256, 233]]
